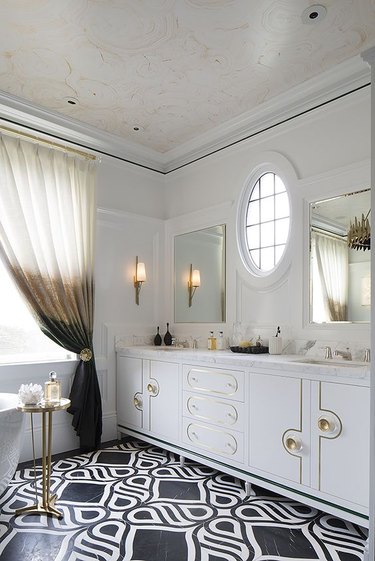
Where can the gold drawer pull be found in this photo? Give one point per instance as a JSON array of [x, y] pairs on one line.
[[325, 425], [293, 444]]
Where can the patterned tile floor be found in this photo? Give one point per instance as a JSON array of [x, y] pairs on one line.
[[134, 502]]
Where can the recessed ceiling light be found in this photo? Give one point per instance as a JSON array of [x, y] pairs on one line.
[[71, 100], [314, 14], [137, 128]]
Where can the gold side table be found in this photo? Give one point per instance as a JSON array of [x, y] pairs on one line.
[[47, 503]]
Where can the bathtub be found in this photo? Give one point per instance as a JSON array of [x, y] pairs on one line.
[[11, 432]]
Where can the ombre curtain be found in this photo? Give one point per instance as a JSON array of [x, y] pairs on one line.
[[47, 223], [330, 256]]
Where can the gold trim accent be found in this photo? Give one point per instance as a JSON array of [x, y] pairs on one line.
[[85, 355], [41, 140], [196, 413], [232, 383], [190, 430]]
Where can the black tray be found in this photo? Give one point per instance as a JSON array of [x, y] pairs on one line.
[[255, 350]]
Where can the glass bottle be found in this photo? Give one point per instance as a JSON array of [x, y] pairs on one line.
[[168, 337], [157, 338]]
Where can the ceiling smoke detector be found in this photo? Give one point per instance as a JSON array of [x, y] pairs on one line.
[[314, 14]]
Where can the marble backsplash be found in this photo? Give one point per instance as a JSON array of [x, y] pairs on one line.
[[315, 348]]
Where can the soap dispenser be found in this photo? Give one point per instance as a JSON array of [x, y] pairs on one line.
[[52, 389], [220, 344]]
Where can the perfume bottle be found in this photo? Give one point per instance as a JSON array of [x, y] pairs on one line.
[[52, 389]]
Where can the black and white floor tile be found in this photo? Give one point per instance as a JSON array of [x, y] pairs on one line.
[[134, 502]]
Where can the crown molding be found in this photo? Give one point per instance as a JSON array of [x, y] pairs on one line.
[[327, 86], [24, 113]]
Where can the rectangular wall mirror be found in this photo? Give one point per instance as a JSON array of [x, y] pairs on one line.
[[340, 259], [199, 276]]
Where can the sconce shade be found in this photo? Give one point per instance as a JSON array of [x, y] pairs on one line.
[[196, 278], [193, 283], [139, 278], [141, 272]]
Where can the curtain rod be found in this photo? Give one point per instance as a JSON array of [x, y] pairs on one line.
[[41, 140], [328, 234]]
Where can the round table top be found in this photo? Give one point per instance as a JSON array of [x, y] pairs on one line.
[[45, 406]]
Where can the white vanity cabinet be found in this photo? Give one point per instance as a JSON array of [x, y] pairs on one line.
[[279, 431], [302, 431], [311, 433], [213, 411], [340, 436], [130, 392], [148, 397]]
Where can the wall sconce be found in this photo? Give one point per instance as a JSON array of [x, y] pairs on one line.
[[193, 283], [139, 278]]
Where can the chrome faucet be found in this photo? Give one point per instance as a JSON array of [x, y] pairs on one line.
[[346, 355], [328, 353]]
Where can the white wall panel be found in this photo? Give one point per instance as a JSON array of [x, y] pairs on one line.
[[329, 151]]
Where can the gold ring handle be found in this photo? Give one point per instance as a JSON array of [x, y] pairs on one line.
[[325, 425], [151, 388], [137, 402], [293, 444]]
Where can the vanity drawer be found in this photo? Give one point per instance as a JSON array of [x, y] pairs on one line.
[[213, 410], [214, 441], [216, 381]]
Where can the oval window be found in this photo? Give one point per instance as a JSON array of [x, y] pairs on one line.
[[267, 222]]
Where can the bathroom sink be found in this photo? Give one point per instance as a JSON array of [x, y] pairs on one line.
[[171, 348], [330, 362]]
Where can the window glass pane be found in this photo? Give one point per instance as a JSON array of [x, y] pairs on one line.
[[253, 237], [255, 192], [267, 234], [21, 340], [255, 256], [267, 209], [267, 258], [267, 221], [279, 185], [281, 230], [253, 213], [267, 185], [281, 205]]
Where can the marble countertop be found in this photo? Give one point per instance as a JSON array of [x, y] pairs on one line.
[[294, 364]]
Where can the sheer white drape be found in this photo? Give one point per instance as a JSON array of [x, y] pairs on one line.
[[330, 278], [47, 231], [47, 209]]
